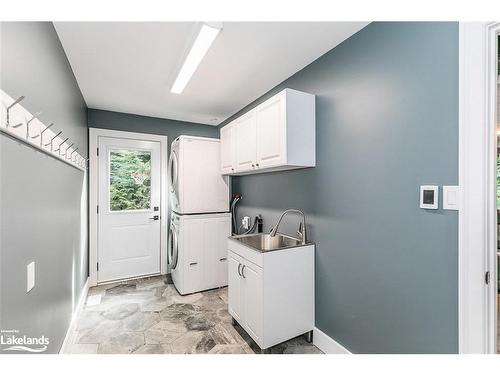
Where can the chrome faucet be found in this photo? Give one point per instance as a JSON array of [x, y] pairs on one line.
[[302, 232]]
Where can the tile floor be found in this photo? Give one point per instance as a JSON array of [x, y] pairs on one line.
[[148, 316]]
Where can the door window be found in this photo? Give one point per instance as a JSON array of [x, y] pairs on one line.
[[129, 180]]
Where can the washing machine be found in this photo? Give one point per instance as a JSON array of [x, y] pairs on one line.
[[197, 251]]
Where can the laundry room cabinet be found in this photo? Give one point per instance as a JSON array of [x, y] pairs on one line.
[[246, 142], [271, 294], [228, 148], [278, 134]]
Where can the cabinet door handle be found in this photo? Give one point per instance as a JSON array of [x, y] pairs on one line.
[[239, 265], [257, 164], [222, 259], [253, 165], [193, 263], [243, 271]]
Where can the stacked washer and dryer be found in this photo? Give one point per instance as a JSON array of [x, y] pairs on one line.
[[200, 220]]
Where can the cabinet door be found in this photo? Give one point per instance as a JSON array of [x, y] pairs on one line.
[[252, 276], [246, 147], [235, 305], [220, 231], [192, 234], [228, 148], [271, 132]]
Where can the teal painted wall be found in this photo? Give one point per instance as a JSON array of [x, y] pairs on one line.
[[387, 122]]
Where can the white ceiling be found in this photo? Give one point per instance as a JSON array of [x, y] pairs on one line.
[[130, 66]]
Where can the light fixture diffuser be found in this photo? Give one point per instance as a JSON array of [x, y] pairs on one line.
[[200, 47]]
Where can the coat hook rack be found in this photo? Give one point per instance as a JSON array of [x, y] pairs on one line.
[[28, 126], [71, 154], [8, 111], [67, 148], [51, 143], [60, 145], [35, 134], [43, 131], [83, 162]]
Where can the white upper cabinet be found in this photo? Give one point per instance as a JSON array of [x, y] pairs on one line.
[[246, 137], [228, 149], [271, 132], [278, 134]]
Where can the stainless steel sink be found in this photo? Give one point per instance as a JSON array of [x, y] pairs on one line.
[[265, 242]]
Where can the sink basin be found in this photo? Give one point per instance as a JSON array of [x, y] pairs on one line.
[[264, 242]]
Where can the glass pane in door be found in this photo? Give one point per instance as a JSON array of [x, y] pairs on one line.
[[129, 180]]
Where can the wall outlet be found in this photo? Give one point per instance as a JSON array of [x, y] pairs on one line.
[[246, 222], [30, 276]]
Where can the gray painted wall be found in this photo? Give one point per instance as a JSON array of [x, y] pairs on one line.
[[387, 122], [34, 64], [152, 125], [43, 216]]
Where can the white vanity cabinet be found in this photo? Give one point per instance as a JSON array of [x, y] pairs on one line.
[[278, 134], [271, 294]]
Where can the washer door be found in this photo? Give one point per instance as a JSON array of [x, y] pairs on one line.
[[173, 169], [173, 248]]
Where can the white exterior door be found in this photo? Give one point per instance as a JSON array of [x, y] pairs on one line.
[[246, 139], [271, 132], [129, 183]]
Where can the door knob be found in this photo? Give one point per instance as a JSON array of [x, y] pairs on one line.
[[156, 217]]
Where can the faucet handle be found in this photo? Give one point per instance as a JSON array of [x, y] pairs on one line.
[[300, 231]]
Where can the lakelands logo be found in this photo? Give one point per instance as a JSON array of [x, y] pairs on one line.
[[11, 340]]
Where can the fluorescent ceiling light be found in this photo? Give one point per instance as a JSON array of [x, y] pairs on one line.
[[200, 47]]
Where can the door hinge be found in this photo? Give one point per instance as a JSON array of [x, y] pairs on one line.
[[97, 208], [97, 151], [487, 278], [98, 266]]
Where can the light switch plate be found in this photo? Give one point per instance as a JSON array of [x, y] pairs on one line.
[[451, 198], [30, 276]]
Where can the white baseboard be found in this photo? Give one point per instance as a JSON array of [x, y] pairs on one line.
[[72, 325], [326, 344]]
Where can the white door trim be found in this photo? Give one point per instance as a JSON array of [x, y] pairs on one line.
[[477, 161], [94, 133]]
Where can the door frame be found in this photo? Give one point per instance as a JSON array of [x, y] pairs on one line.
[[477, 162], [94, 134]]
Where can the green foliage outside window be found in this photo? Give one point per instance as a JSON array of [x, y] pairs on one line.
[[130, 180]]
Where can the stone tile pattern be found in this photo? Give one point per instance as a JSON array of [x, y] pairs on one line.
[[149, 316]]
